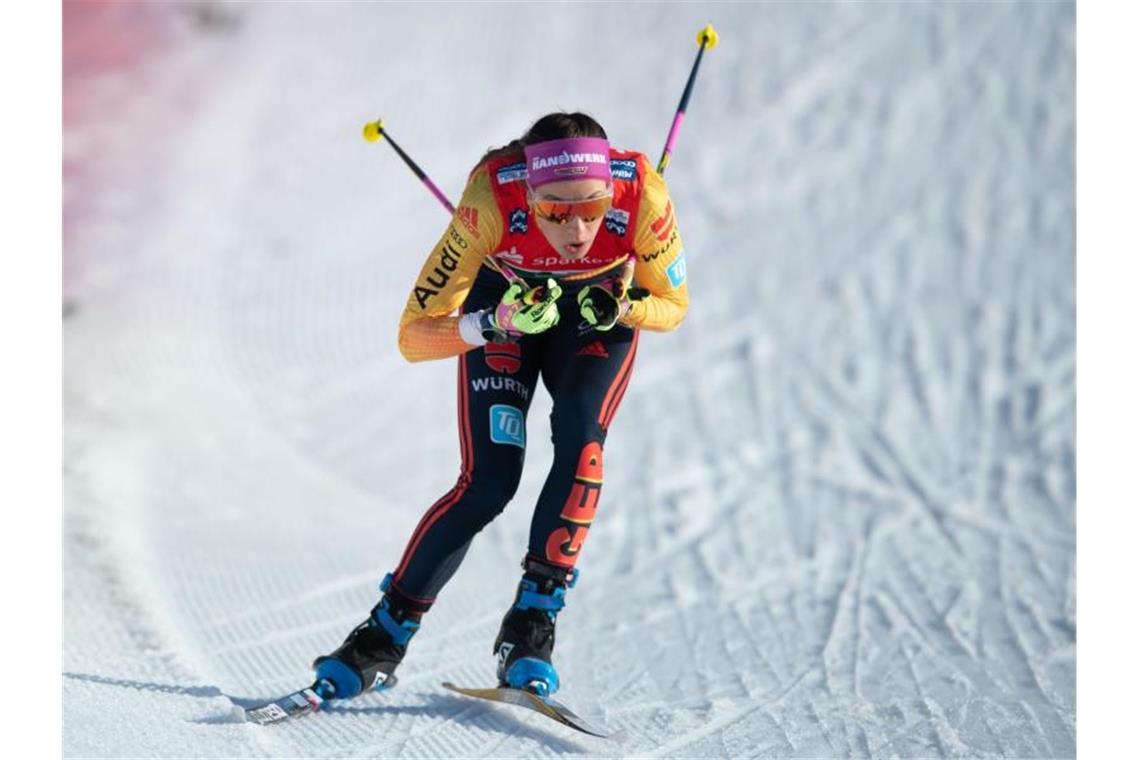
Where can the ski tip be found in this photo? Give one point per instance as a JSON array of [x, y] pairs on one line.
[[303, 702]]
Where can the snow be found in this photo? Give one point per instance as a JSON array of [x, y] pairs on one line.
[[838, 517]]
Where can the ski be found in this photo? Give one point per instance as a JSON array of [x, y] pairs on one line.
[[541, 705], [303, 702]]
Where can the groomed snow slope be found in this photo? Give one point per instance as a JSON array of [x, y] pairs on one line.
[[838, 517]]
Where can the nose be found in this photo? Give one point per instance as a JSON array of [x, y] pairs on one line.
[[579, 228]]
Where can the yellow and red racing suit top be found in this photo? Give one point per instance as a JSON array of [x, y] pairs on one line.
[[493, 223]]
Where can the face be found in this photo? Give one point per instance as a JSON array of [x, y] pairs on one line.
[[573, 239]]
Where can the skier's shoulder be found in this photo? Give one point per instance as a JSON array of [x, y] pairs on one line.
[[501, 169], [628, 165], [477, 224]]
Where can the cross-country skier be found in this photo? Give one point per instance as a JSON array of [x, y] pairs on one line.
[[550, 233]]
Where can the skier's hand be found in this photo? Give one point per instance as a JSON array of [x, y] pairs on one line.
[[527, 311], [602, 305]]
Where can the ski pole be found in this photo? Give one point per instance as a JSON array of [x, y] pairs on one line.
[[707, 37], [374, 130]]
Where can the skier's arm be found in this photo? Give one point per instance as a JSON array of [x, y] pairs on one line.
[[660, 267], [427, 329]]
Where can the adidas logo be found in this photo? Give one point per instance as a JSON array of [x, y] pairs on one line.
[[594, 349], [469, 218]]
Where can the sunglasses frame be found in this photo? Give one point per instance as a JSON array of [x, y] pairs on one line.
[[564, 218]]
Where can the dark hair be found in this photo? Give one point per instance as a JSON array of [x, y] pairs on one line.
[[553, 126]]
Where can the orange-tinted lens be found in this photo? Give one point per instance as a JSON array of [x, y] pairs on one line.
[[561, 212]]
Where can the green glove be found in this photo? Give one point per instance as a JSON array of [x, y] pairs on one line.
[[526, 311]]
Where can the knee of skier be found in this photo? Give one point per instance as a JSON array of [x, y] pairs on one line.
[[573, 424], [493, 489]]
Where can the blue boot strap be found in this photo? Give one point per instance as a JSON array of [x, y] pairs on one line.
[[401, 633], [531, 599]]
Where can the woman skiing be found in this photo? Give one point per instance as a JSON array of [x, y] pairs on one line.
[[550, 234]]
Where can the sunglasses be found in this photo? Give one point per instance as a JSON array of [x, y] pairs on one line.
[[561, 212]]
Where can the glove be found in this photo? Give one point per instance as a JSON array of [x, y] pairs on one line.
[[522, 311], [602, 305]]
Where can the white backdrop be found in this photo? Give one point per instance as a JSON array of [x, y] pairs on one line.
[[838, 517]]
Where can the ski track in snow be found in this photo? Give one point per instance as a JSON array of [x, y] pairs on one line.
[[838, 517]]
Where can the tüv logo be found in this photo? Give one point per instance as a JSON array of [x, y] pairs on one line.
[[508, 426]]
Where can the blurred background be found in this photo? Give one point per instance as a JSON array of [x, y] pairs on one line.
[[838, 517]]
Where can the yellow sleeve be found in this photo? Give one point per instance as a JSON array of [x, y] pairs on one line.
[[427, 329], [660, 267]]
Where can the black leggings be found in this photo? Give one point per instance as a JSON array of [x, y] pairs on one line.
[[586, 372]]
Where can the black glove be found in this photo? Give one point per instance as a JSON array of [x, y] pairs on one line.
[[603, 304]]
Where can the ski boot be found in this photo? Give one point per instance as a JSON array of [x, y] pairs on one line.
[[526, 638], [368, 657]]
